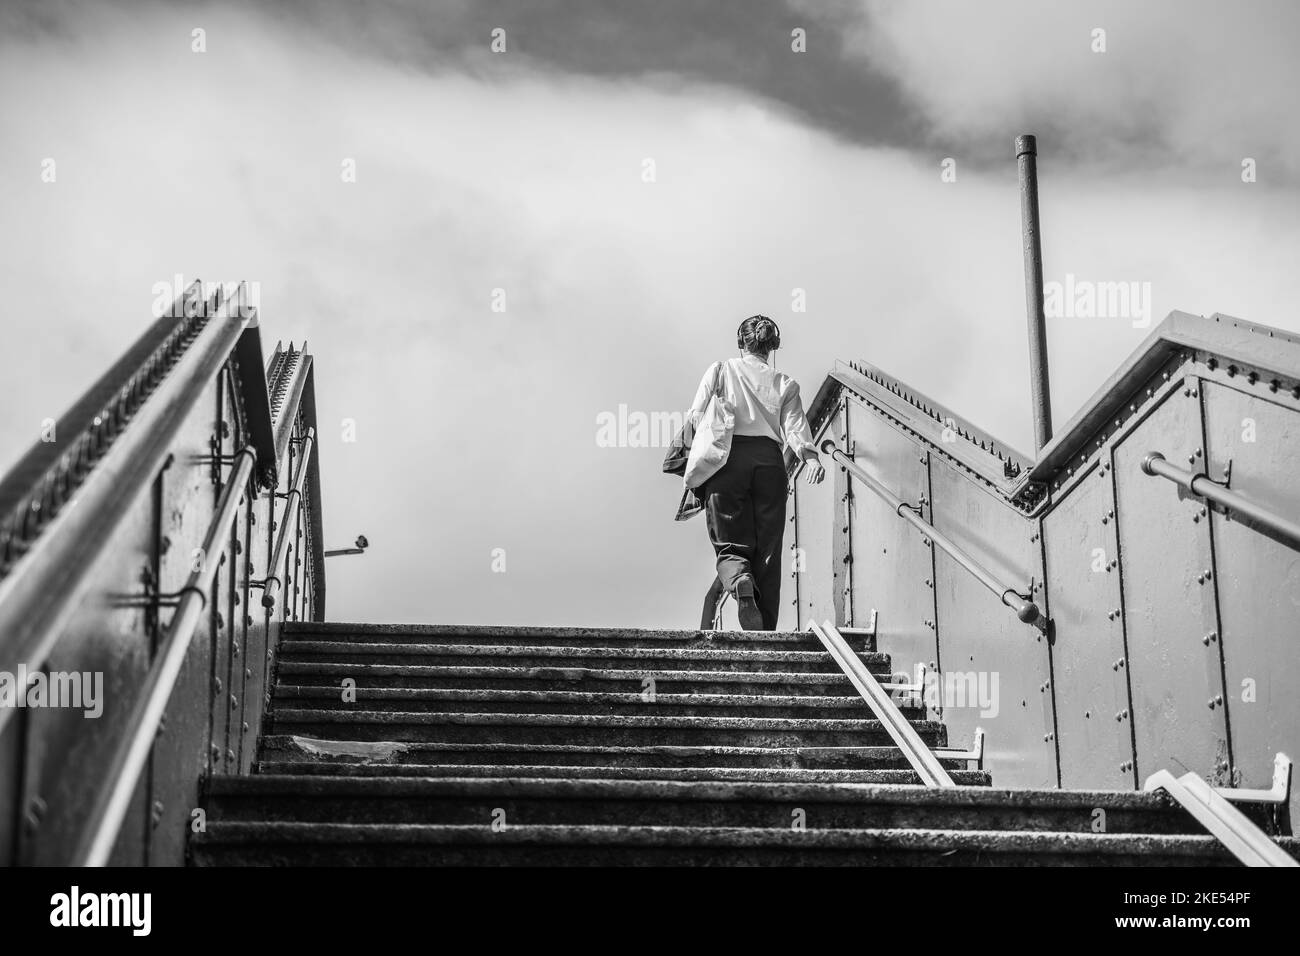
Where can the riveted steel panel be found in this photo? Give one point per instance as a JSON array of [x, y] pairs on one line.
[[1258, 579], [792, 553], [187, 506], [816, 517], [252, 661], [229, 634], [1091, 674], [995, 665], [892, 567], [1169, 605], [109, 635]]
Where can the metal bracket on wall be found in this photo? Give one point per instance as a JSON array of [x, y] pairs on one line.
[[975, 754], [1280, 792], [868, 631]]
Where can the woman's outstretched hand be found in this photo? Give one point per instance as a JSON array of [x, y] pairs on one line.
[[814, 471]]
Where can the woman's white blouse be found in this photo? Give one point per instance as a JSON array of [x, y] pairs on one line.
[[766, 401]]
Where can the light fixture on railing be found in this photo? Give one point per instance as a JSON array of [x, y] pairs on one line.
[[361, 545]]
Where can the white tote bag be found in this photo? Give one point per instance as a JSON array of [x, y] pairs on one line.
[[712, 442]]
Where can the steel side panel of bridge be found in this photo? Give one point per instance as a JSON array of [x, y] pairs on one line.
[[187, 504], [982, 640], [795, 559], [1169, 604], [1258, 579], [111, 636], [816, 517], [1095, 733], [891, 567], [114, 641]]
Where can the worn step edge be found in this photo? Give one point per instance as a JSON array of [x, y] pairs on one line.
[[823, 724], [628, 675], [305, 629], [311, 692], [384, 749], [347, 648], [903, 839], [878, 775], [689, 790]]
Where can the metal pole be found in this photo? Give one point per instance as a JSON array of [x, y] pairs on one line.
[[1040, 388]]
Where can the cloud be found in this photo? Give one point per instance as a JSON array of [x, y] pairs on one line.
[[476, 429], [1180, 84]]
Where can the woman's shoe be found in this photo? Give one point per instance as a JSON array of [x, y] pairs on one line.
[[751, 618]]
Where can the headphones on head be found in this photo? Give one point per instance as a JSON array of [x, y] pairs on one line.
[[762, 331]]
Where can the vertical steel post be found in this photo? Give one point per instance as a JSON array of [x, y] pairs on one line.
[[1040, 388]]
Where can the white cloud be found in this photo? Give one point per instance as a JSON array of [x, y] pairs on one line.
[[477, 430], [1185, 83]]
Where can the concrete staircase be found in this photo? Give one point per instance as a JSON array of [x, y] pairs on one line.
[[509, 746]]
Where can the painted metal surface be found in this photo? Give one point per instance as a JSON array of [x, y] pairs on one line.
[[1253, 441], [983, 645], [893, 569], [186, 508], [794, 555], [1169, 601], [1165, 609], [1089, 658], [818, 576], [111, 632]]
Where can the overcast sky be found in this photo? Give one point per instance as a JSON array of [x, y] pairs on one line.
[[525, 171]]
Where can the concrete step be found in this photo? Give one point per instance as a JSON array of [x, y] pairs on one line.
[[568, 636], [328, 753], [288, 843], [653, 803], [571, 656], [573, 702], [444, 726], [968, 778], [595, 679]]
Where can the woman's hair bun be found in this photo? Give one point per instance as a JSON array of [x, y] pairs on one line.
[[758, 333]]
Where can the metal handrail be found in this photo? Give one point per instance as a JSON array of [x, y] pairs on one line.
[[1026, 610], [922, 759], [133, 750], [272, 584], [1234, 830], [1205, 487]]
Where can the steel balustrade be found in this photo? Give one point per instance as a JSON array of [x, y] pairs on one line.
[[293, 502], [133, 751], [1026, 610]]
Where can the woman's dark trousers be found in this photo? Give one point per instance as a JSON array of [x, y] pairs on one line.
[[744, 504]]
